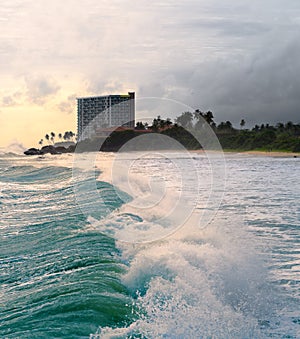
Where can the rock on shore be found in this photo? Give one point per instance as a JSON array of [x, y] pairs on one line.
[[50, 149]]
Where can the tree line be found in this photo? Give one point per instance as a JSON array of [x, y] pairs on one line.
[[267, 137], [67, 136]]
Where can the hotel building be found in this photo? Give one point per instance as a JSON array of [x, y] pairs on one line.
[[94, 113]]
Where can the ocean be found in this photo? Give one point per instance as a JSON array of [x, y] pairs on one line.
[[149, 246]]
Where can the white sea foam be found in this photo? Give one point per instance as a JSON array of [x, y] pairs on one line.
[[208, 284], [167, 189], [194, 283], [15, 147], [216, 282]]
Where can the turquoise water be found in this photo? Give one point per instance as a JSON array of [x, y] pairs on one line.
[[56, 280], [63, 276]]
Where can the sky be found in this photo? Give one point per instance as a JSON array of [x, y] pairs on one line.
[[239, 59]]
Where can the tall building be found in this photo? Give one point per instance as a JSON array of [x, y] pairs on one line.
[[104, 111]]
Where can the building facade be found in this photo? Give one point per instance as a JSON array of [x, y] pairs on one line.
[[94, 113]]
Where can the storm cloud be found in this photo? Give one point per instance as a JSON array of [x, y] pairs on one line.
[[240, 60]]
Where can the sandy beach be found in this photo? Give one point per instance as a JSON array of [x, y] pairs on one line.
[[269, 154], [257, 153]]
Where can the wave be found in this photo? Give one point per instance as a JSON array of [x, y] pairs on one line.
[[198, 282], [14, 148], [207, 284], [161, 200], [57, 279], [30, 174], [65, 275]]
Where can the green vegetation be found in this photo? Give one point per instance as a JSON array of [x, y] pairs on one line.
[[68, 136], [266, 137], [281, 137]]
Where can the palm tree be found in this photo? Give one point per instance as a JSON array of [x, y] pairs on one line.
[[209, 117], [52, 137], [280, 126], [289, 125], [140, 125], [66, 136], [72, 135], [47, 137], [199, 117], [169, 122], [60, 136], [155, 125], [41, 142], [228, 124], [162, 123], [185, 119]]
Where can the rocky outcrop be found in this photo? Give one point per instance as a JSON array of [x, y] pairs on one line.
[[32, 151], [50, 149], [71, 149]]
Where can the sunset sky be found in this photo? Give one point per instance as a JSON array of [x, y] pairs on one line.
[[240, 59]]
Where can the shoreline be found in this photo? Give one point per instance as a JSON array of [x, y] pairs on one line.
[[59, 150], [268, 153], [276, 154]]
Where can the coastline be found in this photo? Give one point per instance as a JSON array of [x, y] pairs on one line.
[[276, 154], [268, 154]]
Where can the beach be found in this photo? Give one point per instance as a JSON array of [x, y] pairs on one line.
[[254, 153]]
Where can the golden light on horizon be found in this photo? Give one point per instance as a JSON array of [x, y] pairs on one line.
[[41, 107], [28, 124], [42, 104]]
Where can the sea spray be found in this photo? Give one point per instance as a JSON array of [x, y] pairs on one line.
[[63, 277], [197, 282], [207, 285], [15, 147]]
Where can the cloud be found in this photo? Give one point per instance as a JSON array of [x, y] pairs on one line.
[[11, 100], [239, 59], [8, 101], [232, 27], [40, 88], [100, 86], [68, 106], [264, 86]]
